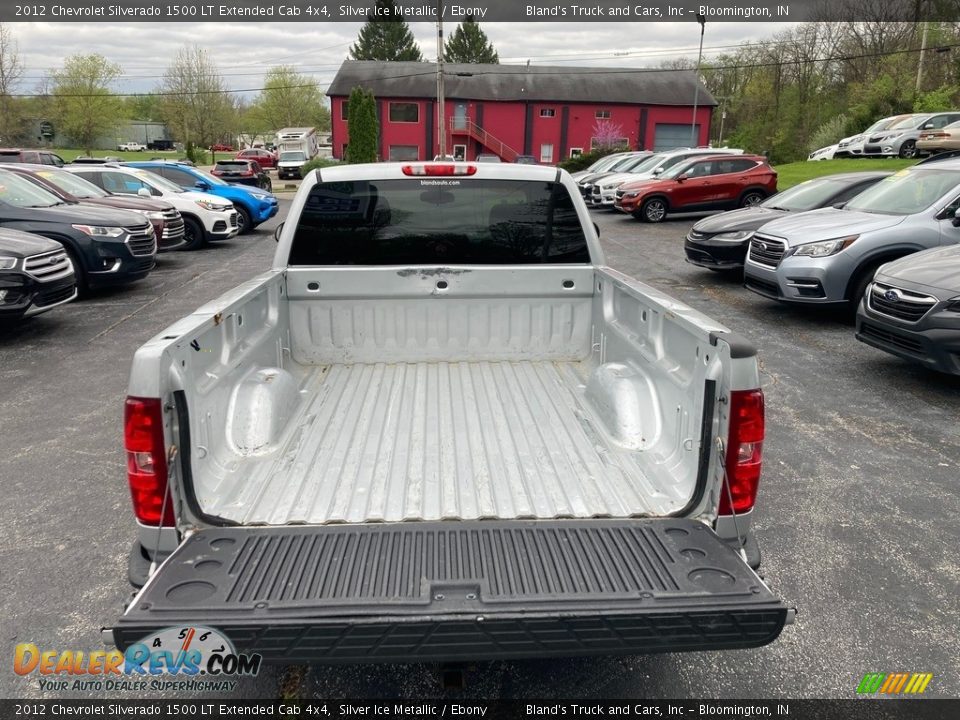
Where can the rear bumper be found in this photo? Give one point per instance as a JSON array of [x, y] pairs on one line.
[[470, 590]]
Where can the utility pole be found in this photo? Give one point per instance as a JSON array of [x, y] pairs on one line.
[[441, 112], [723, 116], [696, 82], [923, 47]]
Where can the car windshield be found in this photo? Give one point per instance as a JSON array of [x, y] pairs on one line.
[[623, 163], [20, 192], [910, 123], [677, 170], [158, 181], [212, 179], [883, 124], [73, 184], [649, 163], [603, 163], [636, 163], [293, 155], [807, 195], [906, 192]]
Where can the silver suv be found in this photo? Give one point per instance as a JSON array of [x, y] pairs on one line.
[[829, 256], [900, 139]]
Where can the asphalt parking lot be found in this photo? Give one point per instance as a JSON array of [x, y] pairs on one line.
[[857, 517]]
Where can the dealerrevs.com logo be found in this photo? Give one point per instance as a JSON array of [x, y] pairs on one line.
[[175, 658]]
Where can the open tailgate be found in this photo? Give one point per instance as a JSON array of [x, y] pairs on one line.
[[407, 592]]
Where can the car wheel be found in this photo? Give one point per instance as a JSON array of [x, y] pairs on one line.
[[751, 198], [908, 149], [244, 222], [83, 286], [859, 286], [654, 210], [193, 234]]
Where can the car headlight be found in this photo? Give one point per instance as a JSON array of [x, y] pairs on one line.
[[210, 205], [151, 214], [734, 236], [825, 248], [611, 186], [631, 193], [100, 230], [7, 262]]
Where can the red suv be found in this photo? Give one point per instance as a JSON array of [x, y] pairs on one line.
[[265, 158], [712, 182]]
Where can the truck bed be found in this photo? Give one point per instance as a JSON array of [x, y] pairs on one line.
[[439, 440]]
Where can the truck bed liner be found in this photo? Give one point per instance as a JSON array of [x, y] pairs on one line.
[[404, 592], [431, 441]]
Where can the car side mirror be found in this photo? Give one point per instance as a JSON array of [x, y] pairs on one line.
[[657, 171], [201, 185], [928, 126], [956, 218], [682, 178], [839, 206], [143, 192], [276, 233]]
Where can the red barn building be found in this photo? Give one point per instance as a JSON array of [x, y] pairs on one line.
[[551, 113]]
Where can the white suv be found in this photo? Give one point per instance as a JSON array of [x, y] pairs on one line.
[[604, 192], [206, 217]]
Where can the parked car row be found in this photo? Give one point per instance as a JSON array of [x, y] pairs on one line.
[[65, 231], [886, 245], [650, 186], [905, 136]]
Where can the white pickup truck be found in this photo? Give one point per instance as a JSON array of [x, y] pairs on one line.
[[131, 147], [440, 428]]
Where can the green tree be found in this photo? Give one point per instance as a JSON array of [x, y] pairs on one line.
[[144, 107], [362, 126], [196, 105], [385, 36], [84, 106], [470, 44], [289, 99]]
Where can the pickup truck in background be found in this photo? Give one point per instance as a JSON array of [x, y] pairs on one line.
[[439, 428], [131, 147]]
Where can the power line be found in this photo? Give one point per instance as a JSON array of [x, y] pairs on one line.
[[520, 71]]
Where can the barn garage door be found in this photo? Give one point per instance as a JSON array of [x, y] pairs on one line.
[[667, 136]]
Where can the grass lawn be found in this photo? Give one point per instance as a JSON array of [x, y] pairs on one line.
[[69, 154], [792, 174]]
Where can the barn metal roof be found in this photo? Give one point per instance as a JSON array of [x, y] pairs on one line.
[[541, 83]]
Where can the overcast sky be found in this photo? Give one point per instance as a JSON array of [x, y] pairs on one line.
[[243, 51]]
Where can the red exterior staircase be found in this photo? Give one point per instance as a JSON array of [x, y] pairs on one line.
[[466, 126]]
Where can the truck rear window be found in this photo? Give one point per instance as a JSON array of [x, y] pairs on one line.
[[430, 221]]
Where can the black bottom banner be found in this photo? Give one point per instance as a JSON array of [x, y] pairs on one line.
[[867, 709]]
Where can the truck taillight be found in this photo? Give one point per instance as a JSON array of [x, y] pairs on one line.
[[146, 460], [439, 170], [744, 451]]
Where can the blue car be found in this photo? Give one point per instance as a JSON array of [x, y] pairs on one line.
[[254, 206]]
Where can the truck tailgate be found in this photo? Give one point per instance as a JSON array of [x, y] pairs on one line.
[[402, 592]]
